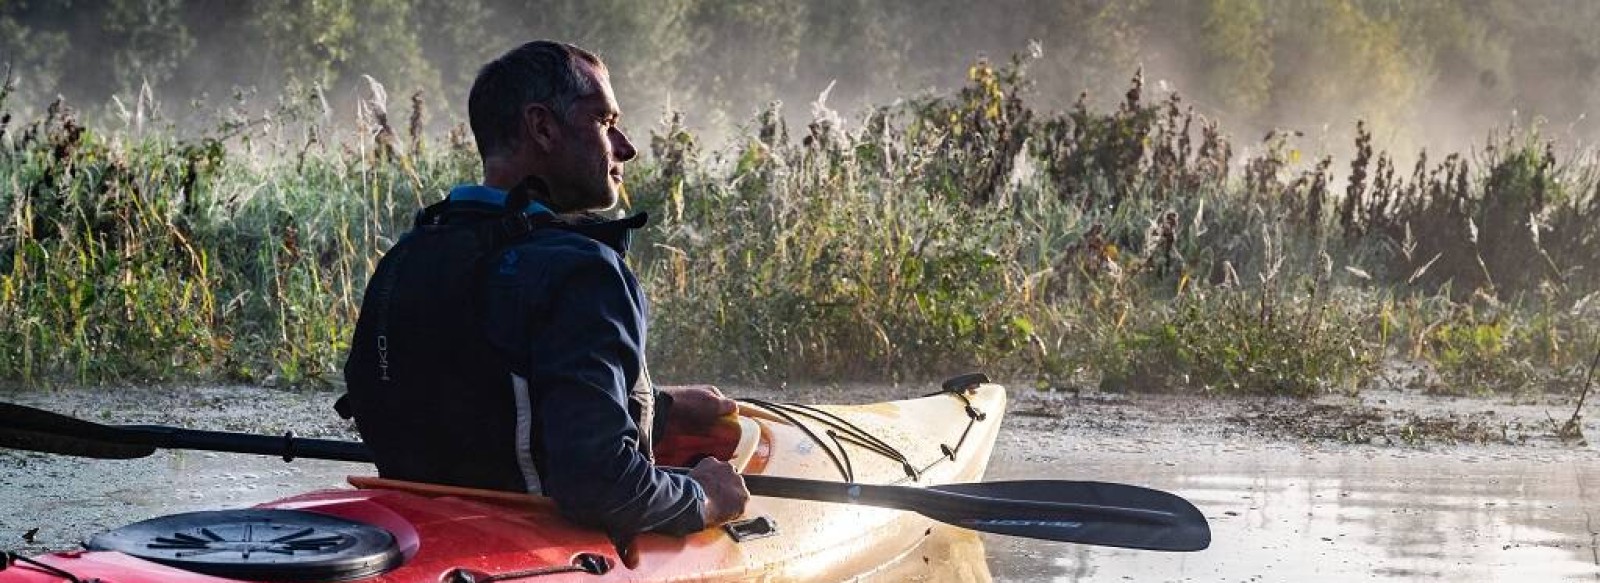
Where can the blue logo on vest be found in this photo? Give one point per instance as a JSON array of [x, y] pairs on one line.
[[508, 263]]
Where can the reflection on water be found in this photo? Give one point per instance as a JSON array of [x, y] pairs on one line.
[[949, 555], [1342, 516]]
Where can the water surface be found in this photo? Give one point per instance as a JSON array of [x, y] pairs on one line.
[[1290, 513]]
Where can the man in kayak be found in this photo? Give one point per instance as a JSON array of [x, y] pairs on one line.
[[501, 341]]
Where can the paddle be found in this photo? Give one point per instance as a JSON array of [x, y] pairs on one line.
[[1094, 513]]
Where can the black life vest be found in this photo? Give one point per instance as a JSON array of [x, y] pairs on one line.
[[432, 399]]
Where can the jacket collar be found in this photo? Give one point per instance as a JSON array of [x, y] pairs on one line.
[[614, 233]]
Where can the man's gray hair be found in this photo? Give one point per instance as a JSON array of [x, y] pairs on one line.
[[544, 72]]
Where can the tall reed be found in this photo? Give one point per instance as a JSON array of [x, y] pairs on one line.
[[1129, 248]]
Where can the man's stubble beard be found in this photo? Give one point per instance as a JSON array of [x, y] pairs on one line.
[[573, 188], [585, 197], [590, 189]]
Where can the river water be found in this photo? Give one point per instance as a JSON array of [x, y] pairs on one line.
[[1281, 513], [1279, 510]]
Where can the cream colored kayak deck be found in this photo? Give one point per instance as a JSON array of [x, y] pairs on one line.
[[832, 542]]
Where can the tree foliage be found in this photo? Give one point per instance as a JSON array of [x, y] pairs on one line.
[[1259, 64]]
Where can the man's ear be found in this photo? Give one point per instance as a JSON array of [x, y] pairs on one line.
[[540, 127]]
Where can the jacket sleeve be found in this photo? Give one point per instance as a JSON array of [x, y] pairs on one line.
[[588, 354]]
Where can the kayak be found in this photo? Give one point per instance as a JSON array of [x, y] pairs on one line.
[[387, 531]]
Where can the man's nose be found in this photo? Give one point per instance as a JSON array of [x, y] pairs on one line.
[[622, 147]]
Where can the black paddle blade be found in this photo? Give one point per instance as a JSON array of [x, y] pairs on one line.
[[32, 429], [1181, 526]]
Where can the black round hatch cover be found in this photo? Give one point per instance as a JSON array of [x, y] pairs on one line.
[[258, 544]]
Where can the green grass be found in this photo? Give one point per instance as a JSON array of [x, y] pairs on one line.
[[1130, 249]]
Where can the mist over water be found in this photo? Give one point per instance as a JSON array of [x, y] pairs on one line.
[[1428, 73]]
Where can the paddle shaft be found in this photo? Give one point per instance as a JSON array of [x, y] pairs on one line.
[[888, 496], [935, 503], [286, 446]]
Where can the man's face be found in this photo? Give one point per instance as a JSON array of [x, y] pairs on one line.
[[586, 166]]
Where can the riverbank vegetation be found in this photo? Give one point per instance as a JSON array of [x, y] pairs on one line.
[[1136, 247]]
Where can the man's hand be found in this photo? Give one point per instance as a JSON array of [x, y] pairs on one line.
[[725, 491], [696, 408]]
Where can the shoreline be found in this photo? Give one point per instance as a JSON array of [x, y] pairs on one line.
[[1375, 417]]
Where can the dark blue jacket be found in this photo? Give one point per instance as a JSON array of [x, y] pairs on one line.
[[573, 410]]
